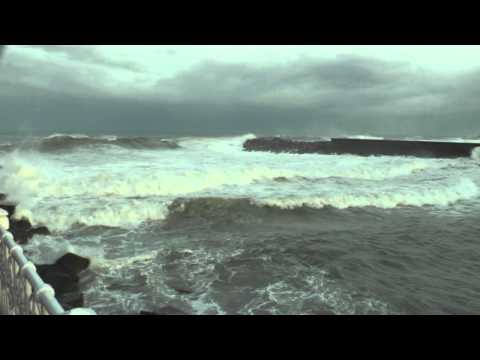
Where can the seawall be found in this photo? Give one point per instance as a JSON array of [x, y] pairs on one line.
[[364, 147]]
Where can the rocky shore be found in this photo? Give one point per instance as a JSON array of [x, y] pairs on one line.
[[70, 272], [65, 275]]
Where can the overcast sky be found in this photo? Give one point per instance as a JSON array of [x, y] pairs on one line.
[[215, 90]]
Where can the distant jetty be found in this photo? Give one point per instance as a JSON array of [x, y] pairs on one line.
[[364, 147]]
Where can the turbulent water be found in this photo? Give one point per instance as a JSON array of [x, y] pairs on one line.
[[199, 224]]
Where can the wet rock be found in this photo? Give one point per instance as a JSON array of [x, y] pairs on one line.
[[147, 313], [180, 286], [65, 278], [10, 208], [72, 263], [22, 229], [40, 230], [183, 290], [72, 300], [65, 275]]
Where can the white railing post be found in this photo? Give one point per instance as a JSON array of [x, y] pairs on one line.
[[4, 222], [22, 291], [4, 226]]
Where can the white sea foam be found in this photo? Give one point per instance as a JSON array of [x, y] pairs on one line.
[[440, 195], [452, 140], [365, 137], [124, 190], [42, 178], [61, 217], [48, 249], [109, 137], [204, 305], [286, 297], [476, 153], [74, 136], [99, 263]]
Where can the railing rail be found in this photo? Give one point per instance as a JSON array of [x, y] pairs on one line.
[[22, 291]]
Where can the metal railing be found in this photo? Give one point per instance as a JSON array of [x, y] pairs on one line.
[[22, 291]]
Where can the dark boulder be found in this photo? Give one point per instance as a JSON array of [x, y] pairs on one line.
[[147, 313], [65, 276], [22, 229], [72, 263], [71, 300], [10, 208], [179, 285]]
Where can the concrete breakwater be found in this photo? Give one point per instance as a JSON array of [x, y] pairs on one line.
[[364, 147]]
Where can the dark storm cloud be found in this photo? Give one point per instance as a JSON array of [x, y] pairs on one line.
[[349, 94], [20, 71], [346, 81], [87, 54], [346, 95]]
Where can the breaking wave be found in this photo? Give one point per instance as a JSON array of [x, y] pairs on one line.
[[200, 210], [126, 215], [476, 154], [214, 178], [7, 147], [247, 210], [39, 177], [60, 142], [441, 195]]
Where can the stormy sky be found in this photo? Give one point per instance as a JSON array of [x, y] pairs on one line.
[[427, 91]]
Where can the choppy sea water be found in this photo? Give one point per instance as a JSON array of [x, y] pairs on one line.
[[199, 224]]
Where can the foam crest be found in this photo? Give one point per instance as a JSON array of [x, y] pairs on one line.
[[22, 178], [441, 195], [90, 189], [219, 145], [476, 153], [127, 215], [46, 181], [365, 137], [73, 136]]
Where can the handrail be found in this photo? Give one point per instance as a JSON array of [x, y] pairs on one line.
[[22, 290]]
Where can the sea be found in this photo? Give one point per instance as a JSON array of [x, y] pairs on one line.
[[198, 224]]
